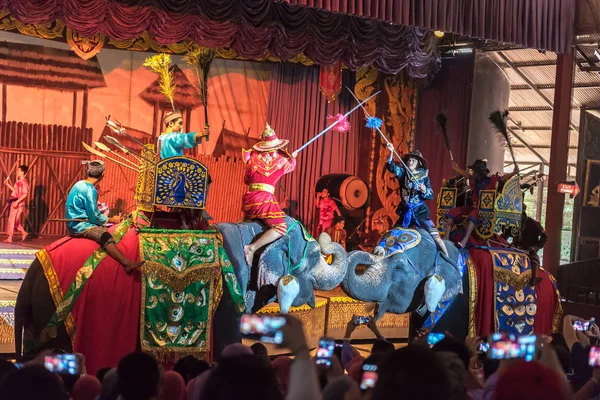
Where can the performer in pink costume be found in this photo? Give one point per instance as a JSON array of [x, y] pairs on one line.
[[266, 163], [20, 190]]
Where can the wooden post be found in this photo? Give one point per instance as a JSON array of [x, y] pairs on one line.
[[154, 122], [4, 101], [188, 117], [559, 156], [74, 122], [84, 108]]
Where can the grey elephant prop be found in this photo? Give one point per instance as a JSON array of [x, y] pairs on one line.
[[397, 274], [295, 254]]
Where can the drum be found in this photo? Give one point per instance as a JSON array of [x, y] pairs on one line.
[[348, 190]]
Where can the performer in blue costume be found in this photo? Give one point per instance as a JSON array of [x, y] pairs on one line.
[[415, 188], [172, 142], [86, 221]]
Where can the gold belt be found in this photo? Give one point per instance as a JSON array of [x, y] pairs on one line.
[[264, 187]]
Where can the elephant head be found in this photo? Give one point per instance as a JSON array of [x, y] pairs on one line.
[[295, 254], [394, 275]]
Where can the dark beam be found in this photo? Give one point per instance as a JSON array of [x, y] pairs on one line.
[[559, 156], [509, 163], [530, 108], [521, 64], [534, 128]]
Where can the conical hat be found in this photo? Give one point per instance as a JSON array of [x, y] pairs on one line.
[[270, 141]]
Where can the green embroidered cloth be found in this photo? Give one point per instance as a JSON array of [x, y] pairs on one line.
[[182, 284]]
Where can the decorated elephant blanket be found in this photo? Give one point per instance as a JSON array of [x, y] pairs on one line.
[[107, 312], [501, 299]]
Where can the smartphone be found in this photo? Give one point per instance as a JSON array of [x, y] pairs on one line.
[[594, 360], [506, 347], [361, 319], [433, 338], [582, 325], [484, 347], [325, 351], [66, 364], [369, 376], [262, 327]]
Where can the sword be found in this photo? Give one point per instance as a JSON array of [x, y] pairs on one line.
[[332, 125]]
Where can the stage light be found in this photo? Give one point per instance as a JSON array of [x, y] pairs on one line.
[[438, 34]]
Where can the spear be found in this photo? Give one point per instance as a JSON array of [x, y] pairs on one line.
[[99, 154], [104, 147], [334, 124], [411, 176], [124, 149], [117, 128]]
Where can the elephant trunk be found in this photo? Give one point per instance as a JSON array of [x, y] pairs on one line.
[[373, 284], [327, 276]]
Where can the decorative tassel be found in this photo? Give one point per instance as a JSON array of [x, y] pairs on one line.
[[434, 290], [374, 122], [441, 119], [498, 119], [160, 64], [287, 291], [200, 59], [343, 125]]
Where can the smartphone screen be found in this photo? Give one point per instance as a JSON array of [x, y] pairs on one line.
[[433, 338], [506, 347], [369, 377], [325, 351], [581, 325], [361, 319], [68, 364], [484, 347], [261, 327], [594, 360]]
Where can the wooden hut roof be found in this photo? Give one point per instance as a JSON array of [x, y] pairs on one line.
[[38, 66], [230, 144], [186, 94]]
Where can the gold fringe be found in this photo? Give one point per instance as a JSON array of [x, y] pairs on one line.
[[472, 296]]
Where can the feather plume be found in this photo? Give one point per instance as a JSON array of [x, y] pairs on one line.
[[374, 122], [161, 64], [200, 59], [441, 120], [498, 119], [341, 121]]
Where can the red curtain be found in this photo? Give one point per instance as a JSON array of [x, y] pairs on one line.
[[252, 28], [450, 92], [539, 24], [298, 111]]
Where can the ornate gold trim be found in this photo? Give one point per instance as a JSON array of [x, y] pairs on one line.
[[53, 30], [512, 279], [274, 309], [472, 297], [85, 47], [55, 290]]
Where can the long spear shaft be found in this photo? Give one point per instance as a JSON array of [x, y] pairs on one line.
[[99, 154], [411, 176], [334, 124], [104, 147], [126, 150]]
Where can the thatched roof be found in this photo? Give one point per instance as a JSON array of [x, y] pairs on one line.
[[186, 94], [230, 144], [38, 66]]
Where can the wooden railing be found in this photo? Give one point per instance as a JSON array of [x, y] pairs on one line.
[[579, 282]]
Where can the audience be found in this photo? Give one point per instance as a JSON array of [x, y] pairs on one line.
[[450, 370]]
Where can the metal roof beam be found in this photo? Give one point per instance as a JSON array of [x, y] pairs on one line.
[[509, 163], [539, 147], [543, 86], [521, 64], [533, 128]]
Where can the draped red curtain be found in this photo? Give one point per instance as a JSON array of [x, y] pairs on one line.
[[539, 24], [450, 92], [254, 29], [298, 111]]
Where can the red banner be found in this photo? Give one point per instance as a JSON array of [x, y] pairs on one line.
[[330, 80]]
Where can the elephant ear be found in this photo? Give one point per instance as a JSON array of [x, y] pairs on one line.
[[272, 262]]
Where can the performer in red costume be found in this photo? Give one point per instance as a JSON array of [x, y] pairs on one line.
[[328, 210], [266, 162]]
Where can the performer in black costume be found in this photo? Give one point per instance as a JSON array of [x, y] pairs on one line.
[[415, 188]]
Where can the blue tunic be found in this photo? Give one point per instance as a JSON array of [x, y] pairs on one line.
[[412, 209], [82, 203], [172, 144]]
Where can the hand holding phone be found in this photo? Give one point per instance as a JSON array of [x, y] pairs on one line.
[[261, 327], [483, 347], [361, 319], [65, 364], [506, 347], [325, 351], [433, 338], [594, 358]]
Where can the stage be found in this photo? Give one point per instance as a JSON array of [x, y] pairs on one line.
[[15, 258]]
